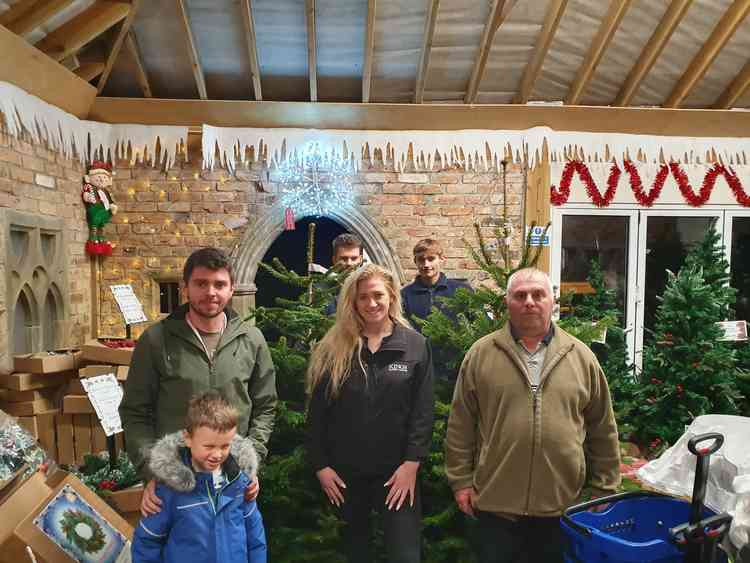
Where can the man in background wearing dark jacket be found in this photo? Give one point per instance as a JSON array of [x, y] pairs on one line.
[[420, 296], [347, 254], [202, 345]]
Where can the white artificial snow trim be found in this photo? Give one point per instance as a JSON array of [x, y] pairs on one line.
[[65, 132], [475, 148]]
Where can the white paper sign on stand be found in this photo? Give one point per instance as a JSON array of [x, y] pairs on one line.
[[127, 301], [105, 394]]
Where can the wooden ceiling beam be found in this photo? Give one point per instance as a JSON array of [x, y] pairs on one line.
[[607, 29], [735, 90], [89, 71], [498, 12], [117, 45], [72, 36], [424, 57], [248, 20], [312, 49], [651, 51], [132, 45], [552, 19], [16, 11], [195, 63], [723, 32], [369, 51], [40, 12], [431, 117]]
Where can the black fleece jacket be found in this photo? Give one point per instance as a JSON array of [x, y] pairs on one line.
[[380, 420]]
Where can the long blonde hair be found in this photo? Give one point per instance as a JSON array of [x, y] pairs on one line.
[[333, 355]]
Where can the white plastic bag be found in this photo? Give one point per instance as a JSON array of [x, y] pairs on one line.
[[728, 488]]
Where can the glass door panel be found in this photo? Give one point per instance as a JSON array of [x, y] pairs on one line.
[[604, 238], [665, 239], [740, 265]]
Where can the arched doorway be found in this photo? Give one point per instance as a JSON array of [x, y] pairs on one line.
[[291, 248], [258, 239]]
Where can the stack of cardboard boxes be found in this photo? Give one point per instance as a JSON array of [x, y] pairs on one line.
[[46, 395]]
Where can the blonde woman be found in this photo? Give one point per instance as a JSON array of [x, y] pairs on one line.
[[370, 415]]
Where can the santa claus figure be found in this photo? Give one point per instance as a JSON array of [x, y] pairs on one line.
[[99, 206]]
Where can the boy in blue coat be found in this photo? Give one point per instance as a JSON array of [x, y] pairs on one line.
[[201, 476]]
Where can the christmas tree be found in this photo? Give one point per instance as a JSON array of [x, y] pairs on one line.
[[709, 255], [687, 370]]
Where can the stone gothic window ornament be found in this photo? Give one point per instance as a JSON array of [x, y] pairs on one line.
[[315, 181]]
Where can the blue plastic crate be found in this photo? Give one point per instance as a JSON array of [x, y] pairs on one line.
[[634, 529]]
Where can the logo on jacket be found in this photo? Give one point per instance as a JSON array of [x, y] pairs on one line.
[[403, 368]]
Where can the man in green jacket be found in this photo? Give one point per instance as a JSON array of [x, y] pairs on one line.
[[531, 422], [202, 345]]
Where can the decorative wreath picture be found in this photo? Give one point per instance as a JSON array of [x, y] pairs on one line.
[[79, 529], [82, 530]]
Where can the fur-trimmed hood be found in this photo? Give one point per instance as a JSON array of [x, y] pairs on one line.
[[166, 463]]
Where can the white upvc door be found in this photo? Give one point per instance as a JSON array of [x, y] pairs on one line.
[[626, 230]]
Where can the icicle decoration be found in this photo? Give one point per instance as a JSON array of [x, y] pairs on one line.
[[66, 133], [485, 148]]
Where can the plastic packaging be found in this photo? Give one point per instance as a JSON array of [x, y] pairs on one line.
[[728, 488]]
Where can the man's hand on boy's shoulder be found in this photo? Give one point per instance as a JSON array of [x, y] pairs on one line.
[[150, 502], [252, 490]]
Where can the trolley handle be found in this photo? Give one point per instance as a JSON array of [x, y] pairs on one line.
[[712, 527], [580, 528], [718, 441]]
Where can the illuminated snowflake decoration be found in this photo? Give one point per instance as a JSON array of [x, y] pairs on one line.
[[314, 182]]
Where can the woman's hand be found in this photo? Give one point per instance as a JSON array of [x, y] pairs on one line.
[[332, 485], [402, 484]]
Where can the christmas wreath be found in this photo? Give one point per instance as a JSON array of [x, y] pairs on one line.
[[83, 531]]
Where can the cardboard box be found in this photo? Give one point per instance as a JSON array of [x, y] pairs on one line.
[[29, 408], [44, 548], [47, 438], [27, 381], [13, 396], [47, 362], [65, 445], [95, 351], [77, 404], [75, 387], [127, 500], [81, 436], [30, 424], [14, 509], [98, 437]]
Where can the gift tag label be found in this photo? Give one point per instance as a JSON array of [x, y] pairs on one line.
[[105, 394]]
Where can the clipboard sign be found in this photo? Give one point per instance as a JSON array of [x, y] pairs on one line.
[[105, 394], [130, 306]]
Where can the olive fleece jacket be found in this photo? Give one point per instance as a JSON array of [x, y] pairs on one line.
[[527, 453], [170, 366]]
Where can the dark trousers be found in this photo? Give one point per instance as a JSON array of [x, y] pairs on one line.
[[401, 528], [526, 540]]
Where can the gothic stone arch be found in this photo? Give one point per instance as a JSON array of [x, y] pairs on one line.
[[259, 237]]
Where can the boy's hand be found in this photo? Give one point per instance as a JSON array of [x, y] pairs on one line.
[[150, 503], [332, 485], [252, 490]]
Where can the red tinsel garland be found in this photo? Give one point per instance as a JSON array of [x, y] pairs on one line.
[[645, 199], [561, 195]]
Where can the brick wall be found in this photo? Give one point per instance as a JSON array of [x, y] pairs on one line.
[[37, 181], [165, 214]]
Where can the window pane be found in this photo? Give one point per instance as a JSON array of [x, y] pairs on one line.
[[668, 241], [740, 266], [169, 296], [604, 238]]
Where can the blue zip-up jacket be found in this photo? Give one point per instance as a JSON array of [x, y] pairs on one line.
[[198, 522], [419, 299]]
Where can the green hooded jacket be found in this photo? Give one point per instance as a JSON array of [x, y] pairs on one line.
[[170, 366]]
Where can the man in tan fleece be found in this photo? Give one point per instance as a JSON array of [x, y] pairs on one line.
[[531, 422]]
